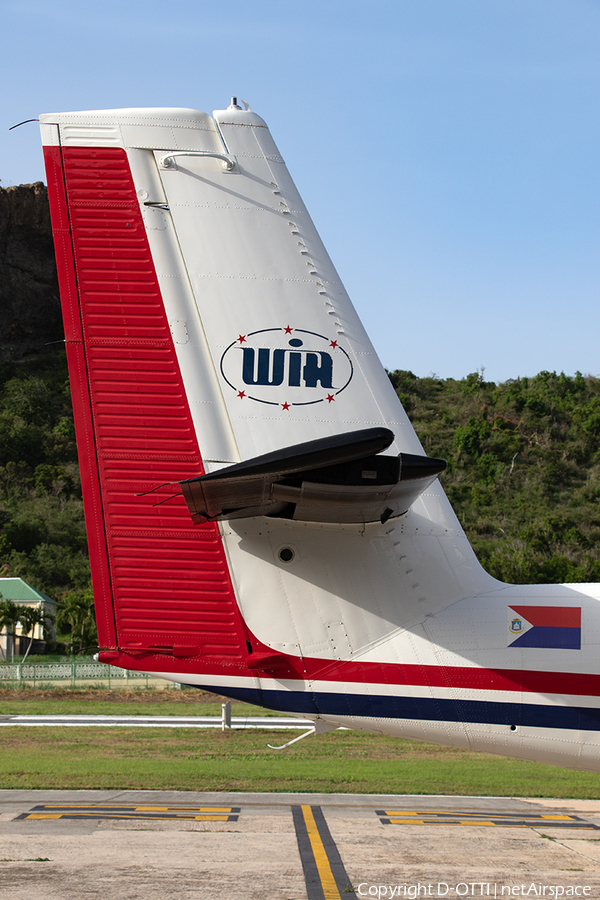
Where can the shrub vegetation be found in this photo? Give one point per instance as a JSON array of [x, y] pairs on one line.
[[523, 468]]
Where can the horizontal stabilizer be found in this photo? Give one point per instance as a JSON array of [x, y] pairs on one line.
[[339, 479]]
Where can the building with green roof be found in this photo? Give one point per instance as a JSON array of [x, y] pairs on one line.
[[20, 592]]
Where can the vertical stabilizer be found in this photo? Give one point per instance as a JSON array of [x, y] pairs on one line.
[[206, 326]]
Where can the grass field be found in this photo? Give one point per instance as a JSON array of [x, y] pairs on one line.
[[193, 759], [101, 702]]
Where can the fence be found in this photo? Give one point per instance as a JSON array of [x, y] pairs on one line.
[[76, 673]]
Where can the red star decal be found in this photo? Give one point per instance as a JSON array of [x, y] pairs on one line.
[[333, 344], [241, 394], [288, 330], [330, 398], [242, 338], [285, 405]]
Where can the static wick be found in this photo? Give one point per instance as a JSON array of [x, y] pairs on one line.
[[24, 122]]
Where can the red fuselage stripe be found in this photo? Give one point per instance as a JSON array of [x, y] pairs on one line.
[[374, 675], [463, 677]]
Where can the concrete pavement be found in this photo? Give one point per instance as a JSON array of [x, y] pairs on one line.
[[132, 845]]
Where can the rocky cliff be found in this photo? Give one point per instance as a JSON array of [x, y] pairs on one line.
[[30, 316]]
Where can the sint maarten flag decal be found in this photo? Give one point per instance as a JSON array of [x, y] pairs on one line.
[[549, 627]]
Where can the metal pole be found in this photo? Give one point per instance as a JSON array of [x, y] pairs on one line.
[[226, 715]]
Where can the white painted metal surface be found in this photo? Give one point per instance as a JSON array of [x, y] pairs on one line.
[[237, 722]]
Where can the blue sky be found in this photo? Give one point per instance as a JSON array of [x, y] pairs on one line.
[[448, 150]]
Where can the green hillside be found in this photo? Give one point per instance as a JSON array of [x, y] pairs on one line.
[[523, 468], [523, 471], [42, 532]]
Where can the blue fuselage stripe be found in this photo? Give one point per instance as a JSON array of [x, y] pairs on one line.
[[487, 712]]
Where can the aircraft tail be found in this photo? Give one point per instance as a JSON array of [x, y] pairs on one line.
[[212, 346], [261, 517]]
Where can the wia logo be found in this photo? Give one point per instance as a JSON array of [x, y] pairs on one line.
[[265, 366], [272, 366]]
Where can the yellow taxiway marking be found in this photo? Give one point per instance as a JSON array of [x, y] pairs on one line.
[[455, 813], [495, 824], [496, 819], [44, 816], [120, 807], [141, 812], [200, 809], [115, 815], [569, 818], [330, 889]]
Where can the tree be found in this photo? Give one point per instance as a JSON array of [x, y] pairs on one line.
[[30, 617], [76, 610]]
